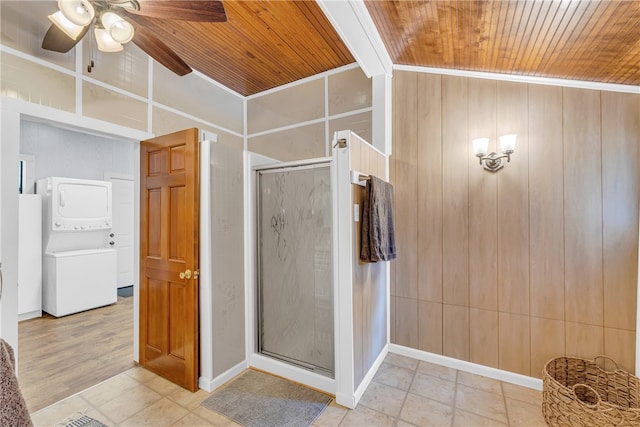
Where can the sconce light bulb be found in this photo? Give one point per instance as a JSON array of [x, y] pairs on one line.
[[508, 143], [480, 146]]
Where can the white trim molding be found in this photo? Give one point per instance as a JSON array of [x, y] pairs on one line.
[[303, 81], [40, 61], [216, 83], [638, 316], [72, 121], [609, 87], [195, 119], [362, 388], [210, 384], [382, 118], [473, 368], [204, 264], [343, 274], [354, 25]]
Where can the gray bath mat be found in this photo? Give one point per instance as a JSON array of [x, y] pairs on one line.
[[85, 421], [126, 291], [256, 399]]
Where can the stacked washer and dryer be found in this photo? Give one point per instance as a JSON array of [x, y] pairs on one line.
[[79, 269]]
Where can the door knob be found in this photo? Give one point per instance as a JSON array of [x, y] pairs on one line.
[[185, 274], [112, 243]]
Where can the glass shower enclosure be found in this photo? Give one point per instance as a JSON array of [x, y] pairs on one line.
[[295, 269]]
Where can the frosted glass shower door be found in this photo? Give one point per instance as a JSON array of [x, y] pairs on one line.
[[295, 277]]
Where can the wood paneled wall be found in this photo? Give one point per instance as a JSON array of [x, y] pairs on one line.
[[535, 261], [369, 279]]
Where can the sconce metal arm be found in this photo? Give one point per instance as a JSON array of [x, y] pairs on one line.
[[493, 161]]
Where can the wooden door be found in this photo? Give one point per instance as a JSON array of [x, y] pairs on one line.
[[169, 206]]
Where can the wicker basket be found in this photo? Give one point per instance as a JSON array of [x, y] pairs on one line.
[[578, 392]]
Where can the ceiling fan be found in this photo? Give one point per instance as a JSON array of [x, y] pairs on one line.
[[116, 22]]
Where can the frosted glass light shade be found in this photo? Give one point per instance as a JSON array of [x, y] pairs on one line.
[[80, 12], [120, 30], [480, 146], [508, 142], [105, 42], [68, 27]]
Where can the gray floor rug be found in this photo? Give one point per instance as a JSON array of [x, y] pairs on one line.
[[126, 291], [85, 421], [256, 399]]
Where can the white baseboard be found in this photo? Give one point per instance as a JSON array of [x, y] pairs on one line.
[[29, 315], [346, 400], [369, 377], [210, 384], [473, 368]]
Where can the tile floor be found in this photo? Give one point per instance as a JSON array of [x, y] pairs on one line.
[[405, 392]]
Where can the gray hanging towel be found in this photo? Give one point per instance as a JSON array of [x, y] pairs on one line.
[[378, 239], [13, 409]]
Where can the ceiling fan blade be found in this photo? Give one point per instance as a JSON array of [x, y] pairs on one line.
[[57, 41], [183, 10], [160, 51]]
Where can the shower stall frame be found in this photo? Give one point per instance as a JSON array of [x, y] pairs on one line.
[[255, 359], [259, 298], [343, 385]]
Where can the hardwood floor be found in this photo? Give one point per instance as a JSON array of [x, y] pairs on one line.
[[59, 357]]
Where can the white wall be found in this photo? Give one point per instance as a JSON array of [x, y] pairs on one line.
[[71, 154], [9, 137]]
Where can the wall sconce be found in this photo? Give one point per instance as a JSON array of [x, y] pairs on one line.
[[493, 161]]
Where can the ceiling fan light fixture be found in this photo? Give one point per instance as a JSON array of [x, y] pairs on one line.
[[80, 12], [120, 30], [105, 42], [127, 4], [68, 27]]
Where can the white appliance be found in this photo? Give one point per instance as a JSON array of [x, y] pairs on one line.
[[29, 256], [79, 267], [79, 280]]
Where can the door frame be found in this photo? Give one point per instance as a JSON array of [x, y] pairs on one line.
[[107, 176], [9, 157], [12, 113]]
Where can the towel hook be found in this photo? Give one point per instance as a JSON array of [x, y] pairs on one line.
[[341, 143]]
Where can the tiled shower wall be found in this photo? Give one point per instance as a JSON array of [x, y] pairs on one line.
[[535, 261], [298, 122], [227, 257], [117, 90]]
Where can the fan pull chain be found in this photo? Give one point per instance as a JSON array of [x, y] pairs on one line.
[[91, 52]]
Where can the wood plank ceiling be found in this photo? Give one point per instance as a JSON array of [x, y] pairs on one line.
[[569, 39], [263, 44]]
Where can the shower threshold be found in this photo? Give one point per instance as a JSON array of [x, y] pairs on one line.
[[315, 369]]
